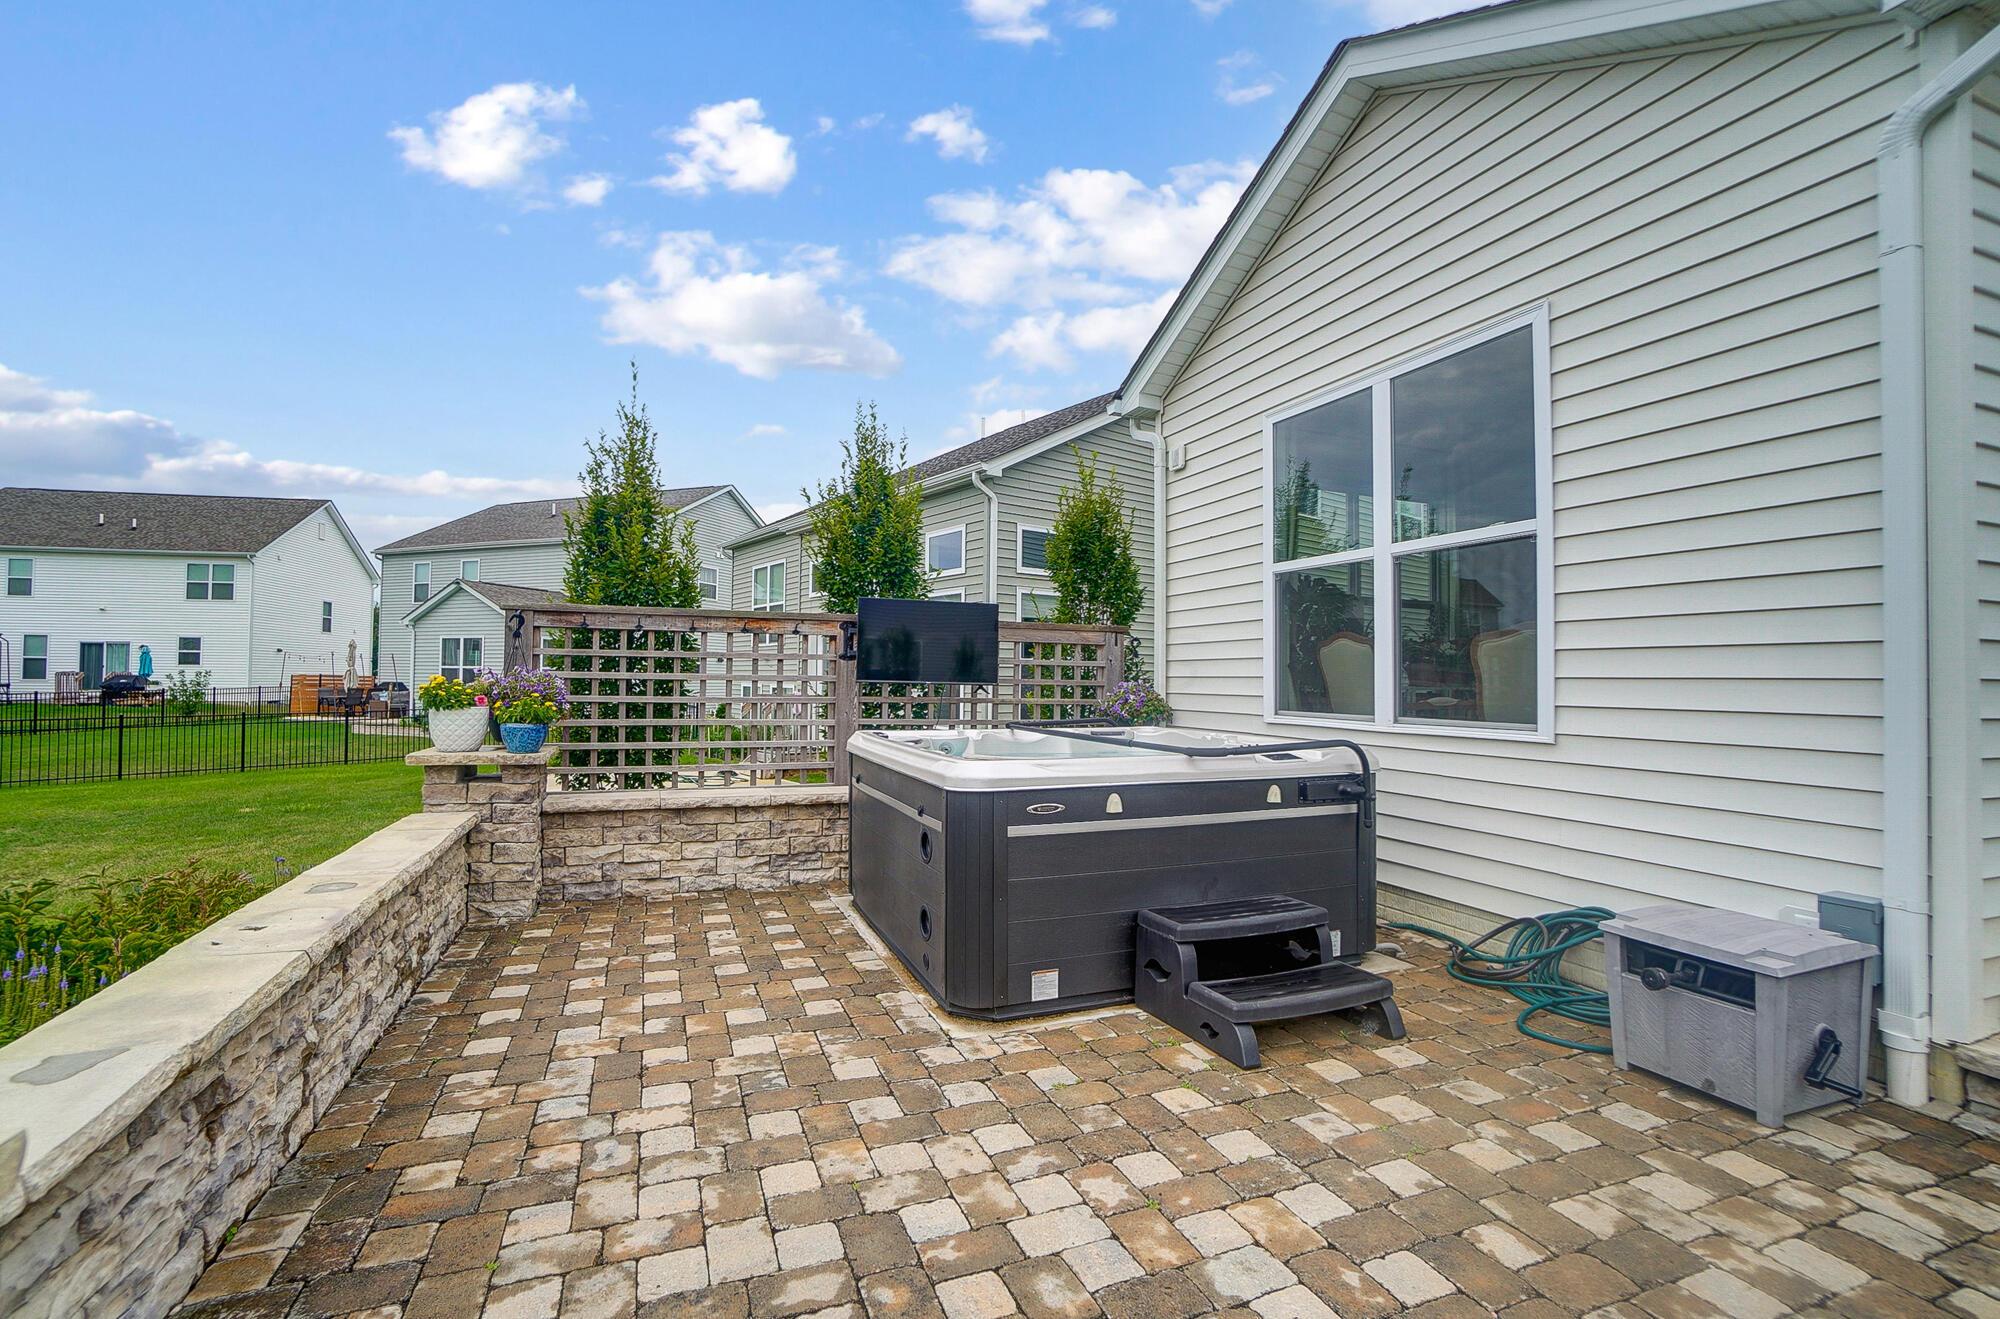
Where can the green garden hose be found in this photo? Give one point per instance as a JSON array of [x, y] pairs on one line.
[[1531, 968]]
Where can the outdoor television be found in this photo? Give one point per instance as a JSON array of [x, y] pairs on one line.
[[927, 641]]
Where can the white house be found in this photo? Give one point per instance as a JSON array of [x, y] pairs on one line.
[[429, 629], [1590, 408], [249, 590]]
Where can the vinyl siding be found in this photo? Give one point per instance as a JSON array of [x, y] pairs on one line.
[[461, 616], [1701, 226], [1029, 492], [311, 563], [138, 599], [515, 565], [1982, 130], [951, 507], [961, 505]]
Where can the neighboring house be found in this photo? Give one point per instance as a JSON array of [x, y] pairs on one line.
[[250, 590], [427, 631], [1653, 356], [999, 491]]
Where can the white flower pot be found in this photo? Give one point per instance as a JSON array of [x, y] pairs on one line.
[[460, 730]]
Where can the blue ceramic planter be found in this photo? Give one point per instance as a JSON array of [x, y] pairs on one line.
[[524, 739]]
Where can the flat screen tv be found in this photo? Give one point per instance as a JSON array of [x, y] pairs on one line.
[[927, 641]]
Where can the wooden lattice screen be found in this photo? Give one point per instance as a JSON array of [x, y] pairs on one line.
[[703, 698]]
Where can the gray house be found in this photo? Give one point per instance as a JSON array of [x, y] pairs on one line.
[[988, 507], [445, 590]]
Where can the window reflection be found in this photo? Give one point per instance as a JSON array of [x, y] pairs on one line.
[[1326, 637], [1324, 464], [1466, 625], [1463, 435]]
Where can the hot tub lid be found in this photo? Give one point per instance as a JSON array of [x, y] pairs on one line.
[[998, 759]]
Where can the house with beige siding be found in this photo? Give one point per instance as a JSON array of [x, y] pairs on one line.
[[1591, 409], [245, 589], [987, 510], [430, 625]]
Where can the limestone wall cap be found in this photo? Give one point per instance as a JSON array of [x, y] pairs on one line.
[[487, 756], [692, 799]]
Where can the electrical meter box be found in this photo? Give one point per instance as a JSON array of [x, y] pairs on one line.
[[1763, 1014]]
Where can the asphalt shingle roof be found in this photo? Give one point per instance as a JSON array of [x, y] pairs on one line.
[[528, 521], [32, 518]]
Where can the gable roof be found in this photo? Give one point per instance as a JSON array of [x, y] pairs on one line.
[[1497, 39], [986, 449], [32, 518], [501, 595], [529, 522]]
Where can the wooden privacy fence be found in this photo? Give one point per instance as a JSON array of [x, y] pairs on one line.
[[705, 698]]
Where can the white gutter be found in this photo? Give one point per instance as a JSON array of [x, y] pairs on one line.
[[1159, 446], [992, 533], [1905, 1019]]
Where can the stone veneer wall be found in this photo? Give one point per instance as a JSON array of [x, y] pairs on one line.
[[139, 1125], [658, 843]]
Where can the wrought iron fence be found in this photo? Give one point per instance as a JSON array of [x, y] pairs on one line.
[[43, 742], [704, 698]]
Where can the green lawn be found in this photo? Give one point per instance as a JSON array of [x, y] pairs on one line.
[[242, 821]]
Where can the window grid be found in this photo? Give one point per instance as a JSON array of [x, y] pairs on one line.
[[211, 581], [1031, 550], [34, 656], [1384, 554], [188, 652], [420, 582], [326, 615], [459, 658], [20, 577]]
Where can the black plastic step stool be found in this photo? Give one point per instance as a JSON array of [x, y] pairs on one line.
[[1212, 970]]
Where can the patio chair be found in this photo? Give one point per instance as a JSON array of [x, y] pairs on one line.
[[1347, 663], [69, 688]]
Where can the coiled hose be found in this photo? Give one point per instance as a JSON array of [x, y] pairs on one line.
[[1531, 968]]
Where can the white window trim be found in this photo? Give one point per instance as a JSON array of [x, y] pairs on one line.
[[425, 564], [1386, 551], [956, 593], [461, 666], [963, 555], [715, 573], [43, 637], [462, 575], [1020, 564], [180, 650], [779, 607], [1021, 594], [806, 576], [11, 578], [326, 616]]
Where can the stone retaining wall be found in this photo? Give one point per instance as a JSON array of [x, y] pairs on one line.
[[659, 843], [139, 1125]]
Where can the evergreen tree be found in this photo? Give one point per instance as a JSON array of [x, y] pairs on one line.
[[623, 544], [865, 531], [1090, 558]]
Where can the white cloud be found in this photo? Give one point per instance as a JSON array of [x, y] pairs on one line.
[[824, 124], [1015, 21], [1210, 8], [587, 190], [699, 296], [1076, 235], [56, 437], [489, 140], [1094, 16], [1401, 13], [778, 508], [1241, 79], [730, 145], [957, 137], [1047, 340], [763, 430]]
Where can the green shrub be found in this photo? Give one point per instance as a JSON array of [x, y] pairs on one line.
[[59, 950], [187, 693]]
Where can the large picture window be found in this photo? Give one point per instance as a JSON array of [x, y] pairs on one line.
[[1435, 614], [211, 581]]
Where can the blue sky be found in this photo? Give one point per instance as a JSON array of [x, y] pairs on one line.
[[400, 256]]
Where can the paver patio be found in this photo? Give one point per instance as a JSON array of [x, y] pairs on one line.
[[728, 1105]]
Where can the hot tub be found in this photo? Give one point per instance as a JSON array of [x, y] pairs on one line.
[[1005, 867]]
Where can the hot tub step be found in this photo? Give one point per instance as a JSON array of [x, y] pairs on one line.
[[1214, 970]]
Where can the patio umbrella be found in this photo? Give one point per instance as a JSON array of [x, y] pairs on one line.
[[145, 661], [348, 681]]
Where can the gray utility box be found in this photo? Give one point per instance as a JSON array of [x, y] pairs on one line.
[[1739, 1006]]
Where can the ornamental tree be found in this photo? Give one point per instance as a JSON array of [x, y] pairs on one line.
[[1090, 559], [865, 529], [623, 544]]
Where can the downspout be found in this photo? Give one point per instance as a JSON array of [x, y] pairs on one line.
[[992, 534], [1159, 446], [1905, 1019]]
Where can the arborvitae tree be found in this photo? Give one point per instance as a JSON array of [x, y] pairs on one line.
[[624, 545], [1090, 559], [865, 529]]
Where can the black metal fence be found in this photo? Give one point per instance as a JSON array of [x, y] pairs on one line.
[[42, 741]]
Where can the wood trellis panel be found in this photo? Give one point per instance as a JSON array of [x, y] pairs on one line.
[[705, 698]]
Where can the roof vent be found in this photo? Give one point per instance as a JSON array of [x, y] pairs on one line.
[[100, 519], [135, 524], [552, 508]]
